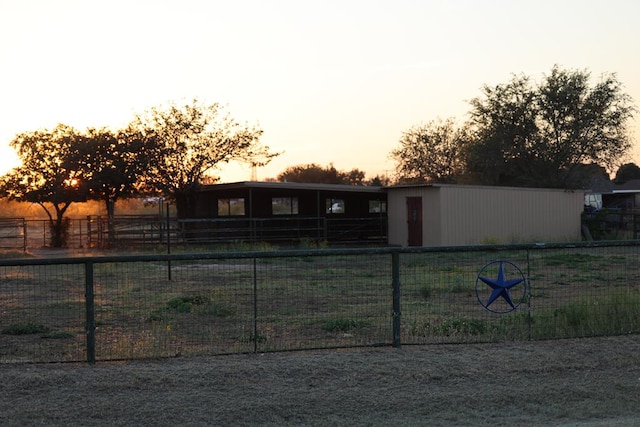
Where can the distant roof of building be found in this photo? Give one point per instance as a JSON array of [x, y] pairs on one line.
[[439, 185], [631, 186], [604, 186], [600, 185], [293, 186]]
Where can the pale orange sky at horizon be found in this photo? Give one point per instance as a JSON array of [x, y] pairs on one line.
[[329, 82]]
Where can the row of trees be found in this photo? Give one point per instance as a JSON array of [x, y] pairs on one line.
[[166, 151], [315, 173], [557, 133], [524, 134]]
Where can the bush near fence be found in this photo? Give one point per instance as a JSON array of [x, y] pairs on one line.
[[131, 307]]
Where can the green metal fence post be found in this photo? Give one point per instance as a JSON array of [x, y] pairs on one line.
[[395, 281], [255, 306], [528, 295], [168, 244], [91, 313]]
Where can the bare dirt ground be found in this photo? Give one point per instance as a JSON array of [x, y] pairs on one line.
[[584, 382]]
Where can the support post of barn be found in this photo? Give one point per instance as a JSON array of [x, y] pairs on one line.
[[24, 235], [90, 313], [395, 282]]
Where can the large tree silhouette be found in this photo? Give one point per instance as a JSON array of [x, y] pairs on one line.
[[524, 133], [113, 164], [431, 152], [541, 135], [47, 176], [314, 173], [191, 140]]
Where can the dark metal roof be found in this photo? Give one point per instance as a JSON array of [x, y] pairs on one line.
[[477, 187], [631, 186], [293, 186], [605, 186], [600, 185]]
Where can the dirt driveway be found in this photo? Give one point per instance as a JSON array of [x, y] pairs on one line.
[[585, 382]]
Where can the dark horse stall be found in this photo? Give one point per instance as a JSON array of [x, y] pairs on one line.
[[291, 212]]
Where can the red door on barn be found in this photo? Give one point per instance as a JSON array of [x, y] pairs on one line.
[[414, 220]]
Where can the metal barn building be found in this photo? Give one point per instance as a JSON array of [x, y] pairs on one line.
[[452, 215], [289, 211]]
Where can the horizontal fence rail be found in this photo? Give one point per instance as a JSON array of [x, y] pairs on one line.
[[13, 233], [153, 230], [147, 306]]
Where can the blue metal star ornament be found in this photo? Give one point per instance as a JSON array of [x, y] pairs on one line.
[[501, 287]]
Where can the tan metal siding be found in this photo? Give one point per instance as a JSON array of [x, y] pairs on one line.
[[466, 215], [432, 217], [509, 215]]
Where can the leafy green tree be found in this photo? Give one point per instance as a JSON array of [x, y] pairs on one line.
[[627, 172], [47, 175], [190, 141], [379, 181], [314, 173], [528, 135], [504, 134], [112, 165], [431, 153], [354, 177]]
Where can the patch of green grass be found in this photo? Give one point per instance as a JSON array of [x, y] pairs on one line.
[[28, 328], [451, 327], [608, 315], [217, 310], [308, 243], [425, 291], [344, 325], [469, 329], [458, 287], [233, 246], [185, 304], [577, 260], [58, 335], [198, 303], [618, 259], [246, 338], [539, 295]]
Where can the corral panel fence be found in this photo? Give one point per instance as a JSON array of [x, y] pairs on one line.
[[153, 230], [129, 307], [13, 233]]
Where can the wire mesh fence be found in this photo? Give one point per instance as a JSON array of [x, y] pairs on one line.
[[130, 307], [148, 231], [42, 312]]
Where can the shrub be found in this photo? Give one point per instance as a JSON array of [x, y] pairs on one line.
[[451, 327], [614, 314], [181, 305], [344, 325], [185, 304], [24, 329], [425, 291], [57, 335]]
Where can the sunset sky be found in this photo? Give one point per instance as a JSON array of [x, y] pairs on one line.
[[328, 81]]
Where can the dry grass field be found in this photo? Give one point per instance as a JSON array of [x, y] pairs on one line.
[[579, 382]]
